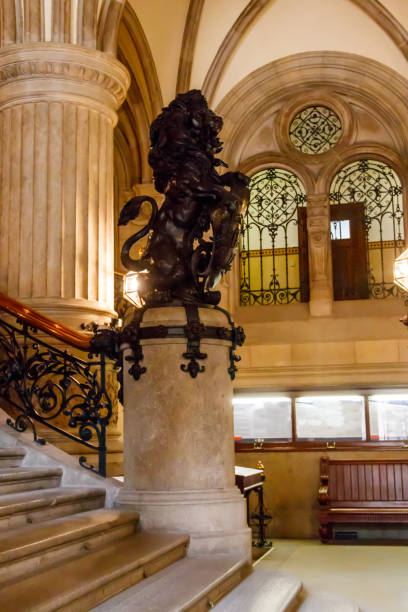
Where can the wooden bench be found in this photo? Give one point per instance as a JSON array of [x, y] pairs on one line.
[[362, 492]]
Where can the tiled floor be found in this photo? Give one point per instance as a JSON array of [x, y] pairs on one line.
[[375, 577]]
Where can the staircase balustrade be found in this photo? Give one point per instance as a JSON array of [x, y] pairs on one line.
[[48, 385]]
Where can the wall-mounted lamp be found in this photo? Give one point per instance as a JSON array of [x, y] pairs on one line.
[[401, 270], [131, 289]]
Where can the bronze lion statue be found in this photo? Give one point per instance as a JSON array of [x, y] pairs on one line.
[[194, 235]]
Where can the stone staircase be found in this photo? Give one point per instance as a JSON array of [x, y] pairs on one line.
[[61, 549], [271, 590]]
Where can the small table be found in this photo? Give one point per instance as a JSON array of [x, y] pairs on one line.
[[248, 480]]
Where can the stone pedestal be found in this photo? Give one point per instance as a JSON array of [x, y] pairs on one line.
[[179, 444]]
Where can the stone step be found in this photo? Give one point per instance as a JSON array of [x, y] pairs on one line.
[[80, 584], [36, 547], [14, 480], [265, 590], [19, 509], [11, 457], [193, 584], [325, 602]]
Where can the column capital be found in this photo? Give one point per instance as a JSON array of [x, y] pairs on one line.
[[38, 71]]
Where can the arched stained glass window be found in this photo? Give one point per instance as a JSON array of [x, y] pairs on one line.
[[376, 188], [273, 236]]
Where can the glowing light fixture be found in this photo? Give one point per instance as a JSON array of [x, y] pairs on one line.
[[401, 271], [131, 289]]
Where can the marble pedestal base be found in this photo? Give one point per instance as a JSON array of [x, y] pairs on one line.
[[215, 519], [179, 438]]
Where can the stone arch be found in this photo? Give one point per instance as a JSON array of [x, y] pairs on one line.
[[361, 151], [371, 84], [191, 27], [142, 104], [270, 158], [373, 8], [367, 151]]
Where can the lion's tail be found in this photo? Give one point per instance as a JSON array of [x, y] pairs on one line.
[[131, 211]]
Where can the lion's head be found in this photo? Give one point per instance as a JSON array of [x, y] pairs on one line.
[[184, 138]]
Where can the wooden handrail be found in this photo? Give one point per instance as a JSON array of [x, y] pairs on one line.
[[45, 324]]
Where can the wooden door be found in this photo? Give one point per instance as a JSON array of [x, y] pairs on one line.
[[303, 255], [349, 252]]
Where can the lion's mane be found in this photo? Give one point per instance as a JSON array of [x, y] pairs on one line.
[[186, 129]]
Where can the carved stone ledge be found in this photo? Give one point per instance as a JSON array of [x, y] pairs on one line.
[[66, 67]]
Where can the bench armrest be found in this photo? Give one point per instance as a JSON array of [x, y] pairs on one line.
[[323, 495]]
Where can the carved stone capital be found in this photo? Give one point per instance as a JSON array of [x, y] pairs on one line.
[[44, 71]]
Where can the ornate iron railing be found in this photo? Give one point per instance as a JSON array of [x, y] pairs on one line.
[[46, 386]]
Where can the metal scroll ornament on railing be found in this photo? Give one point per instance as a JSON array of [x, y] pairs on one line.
[[50, 387]]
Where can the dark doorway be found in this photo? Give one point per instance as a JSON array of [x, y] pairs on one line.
[[349, 252]]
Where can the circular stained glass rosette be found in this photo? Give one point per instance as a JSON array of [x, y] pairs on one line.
[[315, 130]]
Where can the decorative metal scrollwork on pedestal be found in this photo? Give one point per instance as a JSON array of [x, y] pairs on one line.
[[194, 331]]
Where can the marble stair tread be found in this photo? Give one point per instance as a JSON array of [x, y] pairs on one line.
[[325, 602], [80, 584], [15, 479], [8, 474], [11, 457], [13, 504], [177, 588], [34, 539], [21, 473], [265, 590]]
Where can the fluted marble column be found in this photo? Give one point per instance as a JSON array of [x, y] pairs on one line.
[[57, 113], [320, 264]]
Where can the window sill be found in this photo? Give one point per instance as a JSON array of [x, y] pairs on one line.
[[319, 446]]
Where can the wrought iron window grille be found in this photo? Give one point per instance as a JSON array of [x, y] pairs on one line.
[[315, 130], [268, 232], [378, 186]]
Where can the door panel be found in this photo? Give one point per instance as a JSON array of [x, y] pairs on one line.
[[303, 255], [349, 253]]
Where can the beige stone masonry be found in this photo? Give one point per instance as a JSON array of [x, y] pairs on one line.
[[320, 263]]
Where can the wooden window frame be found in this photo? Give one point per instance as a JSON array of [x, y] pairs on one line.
[[296, 445]]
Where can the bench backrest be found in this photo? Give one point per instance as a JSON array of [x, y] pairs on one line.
[[360, 480]]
